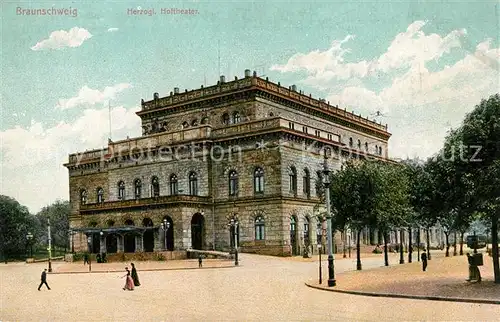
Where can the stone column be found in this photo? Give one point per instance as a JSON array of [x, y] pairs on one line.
[[119, 243], [139, 244], [102, 244], [157, 242]]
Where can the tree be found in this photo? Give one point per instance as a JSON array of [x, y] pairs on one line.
[[15, 223], [58, 212], [393, 207], [477, 159]]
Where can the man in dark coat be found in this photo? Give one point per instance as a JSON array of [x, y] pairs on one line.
[[424, 260], [44, 280]]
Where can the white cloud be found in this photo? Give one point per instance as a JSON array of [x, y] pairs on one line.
[[112, 29], [60, 39], [419, 104], [408, 48], [33, 172], [88, 96]]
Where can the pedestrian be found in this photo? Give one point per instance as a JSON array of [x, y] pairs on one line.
[[200, 261], [44, 280], [129, 283], [424, 260], [85, 259], [135, 277]]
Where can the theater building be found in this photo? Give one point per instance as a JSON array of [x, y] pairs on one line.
[[248, 149]]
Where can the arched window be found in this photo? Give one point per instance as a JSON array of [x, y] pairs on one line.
[[306, 183], [376, 149], [193, 184], [194, 122], [350, 142], [185, 125], [137, 188], [292, 174], [259, 228], [307, 241], [174, 185], [204, 120], [380, 150], [225, 119], [359, 144], [100, 195], [366, 146], [83, 196], [319, 183], [236, 117], [121, 190], [155, 187], [233, 183], [258, 180]]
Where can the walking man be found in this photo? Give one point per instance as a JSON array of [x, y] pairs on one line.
[[85, 259], [44, 280], [424, 260], [200, 261]]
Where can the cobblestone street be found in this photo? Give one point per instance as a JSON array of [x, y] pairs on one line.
[[262, 288]]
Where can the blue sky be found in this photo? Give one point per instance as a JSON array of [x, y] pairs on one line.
[[422, 64]]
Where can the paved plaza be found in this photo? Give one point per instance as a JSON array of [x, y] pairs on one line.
[[261, 288]]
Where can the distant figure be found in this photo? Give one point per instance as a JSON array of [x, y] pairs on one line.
[[129, 283], [200, 261], [44, 280], [474, 273], [135, 277], [424, 260], [85, 259]]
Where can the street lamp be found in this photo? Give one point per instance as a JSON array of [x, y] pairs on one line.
[[401, 256], [89, 241], [29, 238], [326, 175], [165, 225], [50, 245], [320, 270], [233, 227], [72, 233]]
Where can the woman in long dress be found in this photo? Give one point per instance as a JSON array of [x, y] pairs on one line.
[[129, 283], [135, 277]]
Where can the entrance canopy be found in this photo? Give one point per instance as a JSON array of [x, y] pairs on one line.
[[109, 230]]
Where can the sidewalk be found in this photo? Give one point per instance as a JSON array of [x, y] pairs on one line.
[[78, 267], [445, 279]]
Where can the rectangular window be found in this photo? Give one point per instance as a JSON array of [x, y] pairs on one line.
[[330, 137], [318, 133]]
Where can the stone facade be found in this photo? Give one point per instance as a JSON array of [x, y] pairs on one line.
[[248, 148]]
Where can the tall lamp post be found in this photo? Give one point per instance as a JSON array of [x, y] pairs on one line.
[[72, 233], [233, 226], [326, 174], [50, 246], [29, 238], [401, 255], [89, 241], [165, 225]]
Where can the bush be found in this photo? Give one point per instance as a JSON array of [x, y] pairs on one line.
[[78, 257], [158, 257]]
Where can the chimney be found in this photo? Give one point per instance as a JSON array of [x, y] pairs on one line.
[[294, 88], [247, 72], [176, 90], [222, 79], [254, 73], [156, 96]]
